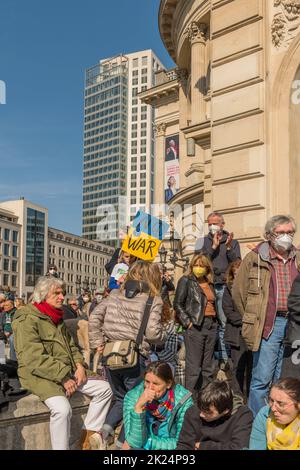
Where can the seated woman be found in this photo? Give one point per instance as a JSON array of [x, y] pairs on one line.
[[277, 426], [154, 410], [220, 422]]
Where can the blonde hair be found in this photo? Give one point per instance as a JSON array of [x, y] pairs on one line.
[[147, 272], [206, 263]]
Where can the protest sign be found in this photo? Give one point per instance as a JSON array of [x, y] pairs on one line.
[[145, 236]]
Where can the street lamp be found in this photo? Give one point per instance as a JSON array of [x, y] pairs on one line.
[[174, 248], [78, 284], [85, 284], [163, 256], [93, 286]]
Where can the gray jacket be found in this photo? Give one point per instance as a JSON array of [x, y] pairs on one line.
[[119, 318]]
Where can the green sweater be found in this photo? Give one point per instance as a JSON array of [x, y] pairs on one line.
[[138, 432]]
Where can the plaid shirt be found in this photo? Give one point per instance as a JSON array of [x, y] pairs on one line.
[[283, 276], [168, 352]]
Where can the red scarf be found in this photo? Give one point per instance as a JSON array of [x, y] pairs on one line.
[[55, 314]]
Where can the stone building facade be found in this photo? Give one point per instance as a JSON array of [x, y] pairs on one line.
[[28, 245], [233, 98], [80, 262], [9, 250]]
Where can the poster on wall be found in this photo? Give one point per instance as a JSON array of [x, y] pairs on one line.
[[171, 166]]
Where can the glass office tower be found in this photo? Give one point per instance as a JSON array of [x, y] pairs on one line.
[[118, 175], [105, 147]]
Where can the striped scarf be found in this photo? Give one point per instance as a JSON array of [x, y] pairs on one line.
[[162, 408]]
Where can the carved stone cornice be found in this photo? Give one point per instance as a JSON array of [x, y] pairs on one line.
[[197, 32], [286, 22], [160, 129], [182, 75]]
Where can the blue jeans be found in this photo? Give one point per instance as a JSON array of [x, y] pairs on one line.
[[223, 349], [267, 363], [12, 352], [121, 381]]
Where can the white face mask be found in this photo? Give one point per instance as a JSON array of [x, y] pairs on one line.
[[98, 297], [85, 299], [283, 242], [52, 271], [214, 229]]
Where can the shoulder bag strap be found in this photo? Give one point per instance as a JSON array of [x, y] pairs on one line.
[[144, 320]]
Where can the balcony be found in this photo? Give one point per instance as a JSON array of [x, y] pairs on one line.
[[165, 76]]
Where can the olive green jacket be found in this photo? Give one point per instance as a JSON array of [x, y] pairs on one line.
[[46, 353], [255, 295]]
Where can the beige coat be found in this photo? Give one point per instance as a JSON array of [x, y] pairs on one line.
[[118, 318]]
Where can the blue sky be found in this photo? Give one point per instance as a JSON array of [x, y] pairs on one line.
[[45, 46]]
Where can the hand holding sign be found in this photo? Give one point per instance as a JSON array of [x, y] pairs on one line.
[[144, 236]]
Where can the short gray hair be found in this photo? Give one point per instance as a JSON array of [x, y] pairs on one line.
[[276, 220], [216, 214], [44, 286]]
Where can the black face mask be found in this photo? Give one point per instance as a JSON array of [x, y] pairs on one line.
[[132, 288]]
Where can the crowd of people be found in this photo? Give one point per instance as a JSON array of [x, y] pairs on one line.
[[214, 366]]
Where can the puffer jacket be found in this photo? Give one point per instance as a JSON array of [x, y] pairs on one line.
[[119, 318], [190, 301], [46, 353], [254, 293], [138, 430]]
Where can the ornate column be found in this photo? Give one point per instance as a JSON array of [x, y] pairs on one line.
[[197, 35], [159, 166]]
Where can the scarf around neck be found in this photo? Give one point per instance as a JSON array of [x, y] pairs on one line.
[[55, 314], [283, 437], [162, 408]]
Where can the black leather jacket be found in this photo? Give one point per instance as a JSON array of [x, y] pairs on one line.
[[190, 301]]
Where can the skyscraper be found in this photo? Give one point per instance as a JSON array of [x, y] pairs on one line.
[[118, 174]]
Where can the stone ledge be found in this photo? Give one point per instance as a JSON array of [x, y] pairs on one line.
[[25, 424]]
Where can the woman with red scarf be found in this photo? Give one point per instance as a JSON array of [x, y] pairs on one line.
[[51, 367], [154, 410]]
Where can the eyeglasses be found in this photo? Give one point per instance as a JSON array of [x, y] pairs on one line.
[[281, 406]]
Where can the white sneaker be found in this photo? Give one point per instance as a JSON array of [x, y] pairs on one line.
[[97, 442]]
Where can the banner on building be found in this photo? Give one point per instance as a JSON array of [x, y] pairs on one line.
[[145, 236], [171, 166]]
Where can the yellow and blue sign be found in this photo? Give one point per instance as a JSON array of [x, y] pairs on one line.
[[145, 236]]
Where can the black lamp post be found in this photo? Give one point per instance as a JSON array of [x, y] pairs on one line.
[[93, 286], [174, 248], [85, 284], [78, 284], [163, 256]]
